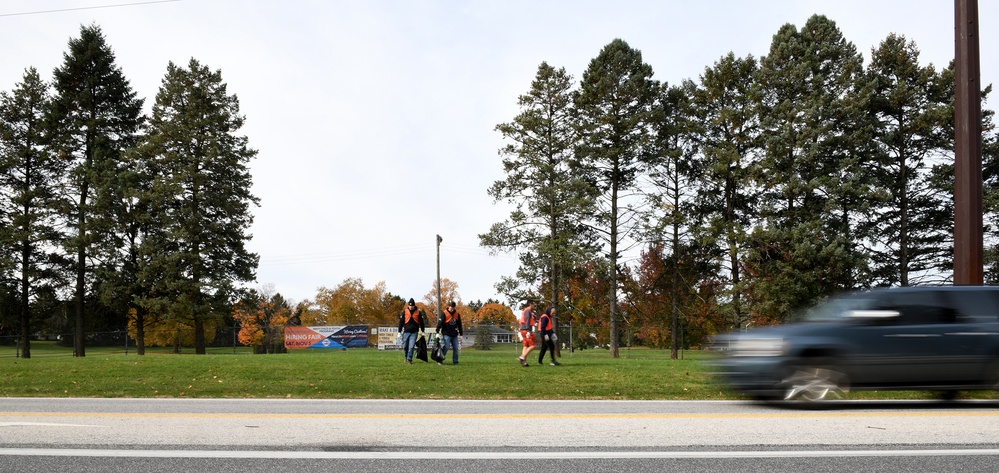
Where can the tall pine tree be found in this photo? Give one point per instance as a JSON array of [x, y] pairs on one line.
[[614, 107], [30, 177], [545, 187], [813, 113], [199, 200], [730, 150], [671, 199], [913, 112], [95, 116]]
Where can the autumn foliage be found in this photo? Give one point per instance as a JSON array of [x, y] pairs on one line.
[[261, 323], [350, 303], [495, 314], [165, 332]]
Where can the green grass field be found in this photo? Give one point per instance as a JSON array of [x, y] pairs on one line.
[[355, 373], [369, 374]]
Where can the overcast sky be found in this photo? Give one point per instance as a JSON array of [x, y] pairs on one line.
[[374, 120]]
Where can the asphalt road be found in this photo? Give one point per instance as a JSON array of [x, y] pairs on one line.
[[457, 435]]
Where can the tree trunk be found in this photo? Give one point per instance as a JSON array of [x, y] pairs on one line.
[[199, 335], [612, 293], [25, 306], [81, 272], [140, 331], [78, 335]]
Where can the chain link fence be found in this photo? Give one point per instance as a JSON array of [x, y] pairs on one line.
[[119, 342], [226, 341]]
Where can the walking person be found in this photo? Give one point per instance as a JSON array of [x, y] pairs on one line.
[[546, 330], [527, 322], [449, 324], [410, 325]]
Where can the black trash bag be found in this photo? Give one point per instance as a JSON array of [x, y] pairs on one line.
[[437, 353], [421, 348]]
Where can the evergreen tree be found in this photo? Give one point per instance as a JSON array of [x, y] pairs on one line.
[[913, 110], [990, 191], [725, 104], [671, 200], [118, 284], [29, 180], [199, 200], [544, 185], [94, 117], [813, 113], [483, 337], [614, 106]]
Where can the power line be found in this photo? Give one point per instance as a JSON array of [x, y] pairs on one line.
[[311, 258], [39, 12], [342, 256]]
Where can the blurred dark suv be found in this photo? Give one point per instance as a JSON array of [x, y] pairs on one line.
[[916, 338]]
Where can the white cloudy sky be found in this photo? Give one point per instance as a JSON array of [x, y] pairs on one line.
[[374, 119]]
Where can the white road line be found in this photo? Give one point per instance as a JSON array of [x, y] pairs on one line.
[[278, 454], [41, 424]]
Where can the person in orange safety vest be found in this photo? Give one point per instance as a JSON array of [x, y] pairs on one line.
[[527, 322], [449, 325], [410, 325], [546, 331]]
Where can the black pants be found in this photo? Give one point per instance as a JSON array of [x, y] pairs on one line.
[[546, 345]]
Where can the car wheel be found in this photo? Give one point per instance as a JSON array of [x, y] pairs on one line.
[[815, 382]]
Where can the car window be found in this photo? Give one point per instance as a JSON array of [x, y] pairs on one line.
[[836, 308], [917, 307], [974, 306], [930, 306]]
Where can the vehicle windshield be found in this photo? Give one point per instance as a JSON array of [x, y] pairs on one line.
[[836, 308]]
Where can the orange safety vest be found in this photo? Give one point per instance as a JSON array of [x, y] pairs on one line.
[[545, 323], [449, 316], [412, 315], [524, 323]]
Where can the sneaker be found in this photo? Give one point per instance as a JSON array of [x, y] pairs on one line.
[[440, 364], [522, 362], [455, 363], [555, 363]]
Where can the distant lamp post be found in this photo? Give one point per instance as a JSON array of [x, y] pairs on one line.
[[439, 240]]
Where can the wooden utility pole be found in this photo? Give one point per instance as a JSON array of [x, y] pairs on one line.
[[439, 240], [968, 261]]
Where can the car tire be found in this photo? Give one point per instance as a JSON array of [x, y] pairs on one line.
[[814, 381]]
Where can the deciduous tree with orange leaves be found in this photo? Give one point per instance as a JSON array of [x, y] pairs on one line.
[[261, 321], [350, 303], [449, 292], [495, 314]]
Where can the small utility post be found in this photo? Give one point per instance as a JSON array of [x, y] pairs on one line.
[[439, 240]]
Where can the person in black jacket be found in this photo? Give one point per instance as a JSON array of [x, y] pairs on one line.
[[410, 324], [449, 323], [546, 330]]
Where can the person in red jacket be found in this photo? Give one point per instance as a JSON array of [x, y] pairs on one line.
[[527, 322], [546, 331]]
